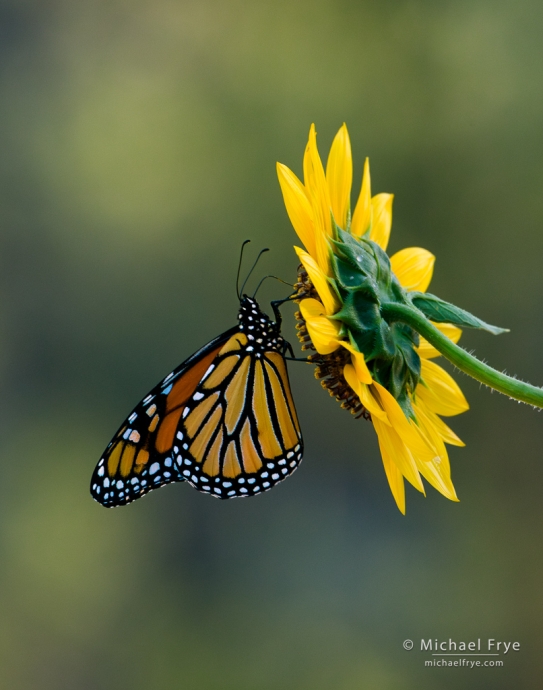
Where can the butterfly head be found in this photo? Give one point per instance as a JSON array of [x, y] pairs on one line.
[[262, 333]]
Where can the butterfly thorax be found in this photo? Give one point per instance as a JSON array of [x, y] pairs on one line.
[[262, 333]]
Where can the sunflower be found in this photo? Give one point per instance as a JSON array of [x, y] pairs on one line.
[[372, 362]]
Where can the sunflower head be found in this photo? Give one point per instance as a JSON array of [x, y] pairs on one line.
[[349, 292]]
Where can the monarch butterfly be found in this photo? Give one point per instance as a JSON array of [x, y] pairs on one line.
[[224, 421]]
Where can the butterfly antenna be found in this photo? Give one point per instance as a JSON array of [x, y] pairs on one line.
[[253, 268], [239, 267], [270, 276]]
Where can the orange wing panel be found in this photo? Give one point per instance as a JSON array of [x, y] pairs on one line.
[[279, 362], [186, 385], [251, 459], [166, 431], [114, 458], [127, 460], [266, 434], [231, 467], [290, 437]]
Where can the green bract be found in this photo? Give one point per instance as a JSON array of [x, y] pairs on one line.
[[367, 288]]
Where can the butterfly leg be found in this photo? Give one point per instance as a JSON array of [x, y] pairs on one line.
[[287, 347], [277, 303]]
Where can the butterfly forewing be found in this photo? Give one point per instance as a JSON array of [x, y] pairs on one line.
[[139, 458], [224, 421]]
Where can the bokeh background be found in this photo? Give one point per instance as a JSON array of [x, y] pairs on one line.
[[138, 144]]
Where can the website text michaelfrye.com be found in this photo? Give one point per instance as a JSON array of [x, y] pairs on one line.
[[471, 654]]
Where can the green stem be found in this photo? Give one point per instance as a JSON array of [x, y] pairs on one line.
[[467, 363]]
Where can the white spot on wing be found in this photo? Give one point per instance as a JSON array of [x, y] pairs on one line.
[[209, 370]]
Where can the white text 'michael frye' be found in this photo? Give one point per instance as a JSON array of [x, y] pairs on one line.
[[491, 645]]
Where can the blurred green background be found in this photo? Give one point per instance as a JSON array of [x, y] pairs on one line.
[[138, 145]]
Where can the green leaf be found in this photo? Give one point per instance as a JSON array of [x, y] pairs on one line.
[[443, 312]]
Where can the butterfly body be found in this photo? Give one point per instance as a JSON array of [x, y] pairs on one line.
[[223, 420]]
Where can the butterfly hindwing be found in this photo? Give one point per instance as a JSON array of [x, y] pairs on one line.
[[224, 421], [240, 431]]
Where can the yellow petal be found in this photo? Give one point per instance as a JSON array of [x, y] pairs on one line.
[[320, 283], [298, 207], [381, 219], [339, 175], [317, 193], [446, 433], [372, 405], [440, 391], [362, 212], [428, 351], [436, 470], [395, 480], [413, 267], [322, 331], [393, 447], [311, 308], [407, 430], [359, 363]]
